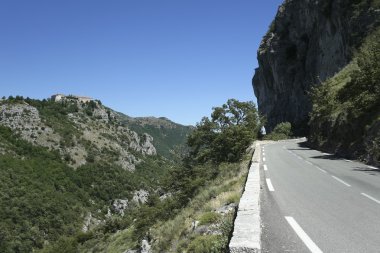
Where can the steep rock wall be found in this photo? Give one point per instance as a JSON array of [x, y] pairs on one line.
[[308, 41]]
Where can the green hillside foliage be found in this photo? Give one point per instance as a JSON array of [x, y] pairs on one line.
[[226, 135], [39, 198], [44, 201], [346, 108]]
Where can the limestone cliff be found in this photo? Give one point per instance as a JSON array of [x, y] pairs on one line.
[[308, 41]]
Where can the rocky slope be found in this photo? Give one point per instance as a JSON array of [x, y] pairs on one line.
[[91, 125], [307, 42]]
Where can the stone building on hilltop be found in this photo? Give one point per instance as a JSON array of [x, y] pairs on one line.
[[60, 97]]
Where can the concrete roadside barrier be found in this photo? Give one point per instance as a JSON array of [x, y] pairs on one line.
[[247, 227]]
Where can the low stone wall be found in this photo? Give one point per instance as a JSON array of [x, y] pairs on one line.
[[247, 226]]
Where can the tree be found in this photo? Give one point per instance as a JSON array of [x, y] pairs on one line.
[[228, 133]]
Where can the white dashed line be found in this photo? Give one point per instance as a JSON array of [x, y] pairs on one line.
[[265, 167], [326, 153], [348, 161], [320, 169], [340, 180], [263, 159], [371, 198], [299, 157], [270, 186], [371, 167], [302, 234]]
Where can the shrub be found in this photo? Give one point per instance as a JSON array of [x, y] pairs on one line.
[[206, 244], [208, 218], [282, 131]]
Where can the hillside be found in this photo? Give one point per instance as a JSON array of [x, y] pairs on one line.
[[69, 168], [76, 178]]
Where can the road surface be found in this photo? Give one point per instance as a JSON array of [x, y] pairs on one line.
[[315, 202]]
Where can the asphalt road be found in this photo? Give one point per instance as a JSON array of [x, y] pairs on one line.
[[316, 202]]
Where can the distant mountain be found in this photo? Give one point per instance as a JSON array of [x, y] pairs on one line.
[[169, 138]]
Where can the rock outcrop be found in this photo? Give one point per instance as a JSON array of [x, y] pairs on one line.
[[308, 41]]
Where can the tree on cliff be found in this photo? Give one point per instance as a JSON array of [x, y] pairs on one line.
[[225, 136]]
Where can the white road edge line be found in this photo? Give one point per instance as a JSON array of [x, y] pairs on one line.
[[320, 169], [270, 186], [265, 167], [371, 198], [340, 180], [308, 162], [301, 234]]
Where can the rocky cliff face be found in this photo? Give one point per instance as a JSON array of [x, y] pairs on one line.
[[308, 41]]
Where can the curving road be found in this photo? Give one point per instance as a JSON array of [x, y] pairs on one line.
[[316, 202]]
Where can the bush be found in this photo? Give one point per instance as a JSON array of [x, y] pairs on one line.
[[282, 131], [206, 244], [208, 218]]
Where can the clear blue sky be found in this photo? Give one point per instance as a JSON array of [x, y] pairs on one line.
[[172, 58]]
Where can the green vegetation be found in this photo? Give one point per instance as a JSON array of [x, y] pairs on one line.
[[44, 201], [282, 131], [39, 197], [206, 244], [345, 117], [226, 136], [208, 218]]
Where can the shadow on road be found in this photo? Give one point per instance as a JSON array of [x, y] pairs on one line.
[[305, 146], [373, 172]]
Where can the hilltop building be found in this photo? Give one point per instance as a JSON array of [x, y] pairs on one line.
[[60, 97]]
